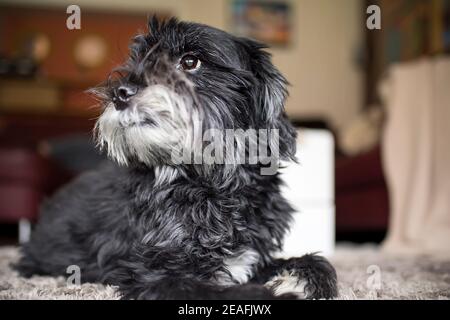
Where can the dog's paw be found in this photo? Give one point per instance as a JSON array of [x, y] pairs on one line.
[[308, 277], [287, 283], [319, 274]]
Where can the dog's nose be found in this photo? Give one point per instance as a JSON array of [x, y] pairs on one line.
[[122, 96]]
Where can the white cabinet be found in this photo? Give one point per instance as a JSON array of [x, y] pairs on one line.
[[309, 187]]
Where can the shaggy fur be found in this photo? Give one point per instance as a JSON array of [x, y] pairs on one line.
[[162, 229]]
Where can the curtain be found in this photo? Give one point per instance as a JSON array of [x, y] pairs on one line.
[[416, 155]]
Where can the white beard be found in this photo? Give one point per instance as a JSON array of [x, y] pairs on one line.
[[157, 122]]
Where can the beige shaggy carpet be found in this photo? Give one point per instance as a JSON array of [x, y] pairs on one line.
[[363, 273]]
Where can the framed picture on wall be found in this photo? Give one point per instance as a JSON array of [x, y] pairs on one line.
[[268, 21]]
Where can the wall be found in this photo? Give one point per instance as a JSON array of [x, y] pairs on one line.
[[319, 63]]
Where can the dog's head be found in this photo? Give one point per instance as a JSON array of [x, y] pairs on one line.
[[182, 79]]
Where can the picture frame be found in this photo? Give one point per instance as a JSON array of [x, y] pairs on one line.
[[268, 21]]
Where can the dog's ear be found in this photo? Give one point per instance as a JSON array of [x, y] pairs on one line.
[[270, 96]]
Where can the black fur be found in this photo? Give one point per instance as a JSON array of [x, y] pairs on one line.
[[171, 240]]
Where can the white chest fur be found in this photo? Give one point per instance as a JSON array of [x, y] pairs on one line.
[[240, 268]]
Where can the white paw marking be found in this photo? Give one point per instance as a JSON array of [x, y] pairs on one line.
[[287, 282]]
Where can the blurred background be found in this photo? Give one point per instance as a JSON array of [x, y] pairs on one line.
[[382, 94]]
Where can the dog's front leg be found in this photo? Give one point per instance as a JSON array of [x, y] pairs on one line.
[[309, 277], [148, 275], [185, 288]]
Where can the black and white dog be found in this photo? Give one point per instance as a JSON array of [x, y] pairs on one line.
[[159, 228]]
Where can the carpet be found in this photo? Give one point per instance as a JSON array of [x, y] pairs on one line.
[[363, 273], [366, 273]]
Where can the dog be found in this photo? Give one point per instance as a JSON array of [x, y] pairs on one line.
[[160, 228]]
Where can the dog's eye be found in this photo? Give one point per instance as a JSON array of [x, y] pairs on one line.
[[189, 63]]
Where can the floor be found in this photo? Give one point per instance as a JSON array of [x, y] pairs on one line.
[[363, 273], [366, 273]]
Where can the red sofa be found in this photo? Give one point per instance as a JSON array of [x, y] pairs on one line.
[[362, 202], [25, 179]]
